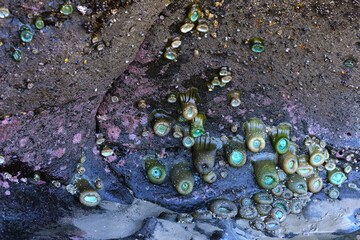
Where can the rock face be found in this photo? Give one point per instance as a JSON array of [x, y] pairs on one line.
[[60, 95]]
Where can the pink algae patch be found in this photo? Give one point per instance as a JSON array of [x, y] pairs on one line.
[[7, 193], [59, 153], [77, 138], [113, 133], [23, 141], [219, 99]]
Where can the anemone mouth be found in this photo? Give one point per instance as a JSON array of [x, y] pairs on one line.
[[170, 55], [338, 178], [156, 173], [194, 16], [282, 146], [188, 141], [197, 132], [90, 198], [258, 48], [26, 36], [291, 164], [317, 159], [256, 144], [268, 180], [237, 157], [185, 187], [190, 112], [278, 213], [301, 188], [162, 128]]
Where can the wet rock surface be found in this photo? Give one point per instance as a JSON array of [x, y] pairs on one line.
[[299, 78]]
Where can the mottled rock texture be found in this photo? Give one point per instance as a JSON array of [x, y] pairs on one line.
[[299, 78]]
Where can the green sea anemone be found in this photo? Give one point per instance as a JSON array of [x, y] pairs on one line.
[[203, 154], [336, 176], [257, 45], [188, 102], [235, 151], [296, 184], [304, 168], [39, 23], [255, 134], [265, 170], [155, 169], [280, 137], [161, 121], [288, 161], [182, 178], [223, 208], [26, 33], [197, 125]]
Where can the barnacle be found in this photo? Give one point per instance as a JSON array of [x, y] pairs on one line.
[[265, 171], [171, 98], [280, 137], [155, 169], [204, 152], [296, 184], [258, 224], [223, 208], [255, 134], [225, 72], [235, 151], [182, 178], [197, 125], [288, 161]]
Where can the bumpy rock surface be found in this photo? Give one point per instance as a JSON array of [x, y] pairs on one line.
[[299, 78]]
